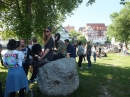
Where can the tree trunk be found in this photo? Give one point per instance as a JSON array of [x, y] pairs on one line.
[[28, 8]]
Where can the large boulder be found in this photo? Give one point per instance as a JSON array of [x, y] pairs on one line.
[[58, 78]]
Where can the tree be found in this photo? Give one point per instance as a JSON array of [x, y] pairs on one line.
[[120, 25], [29, 17], [77, 37]]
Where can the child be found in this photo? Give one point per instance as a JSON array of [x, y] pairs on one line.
[[16, 79]]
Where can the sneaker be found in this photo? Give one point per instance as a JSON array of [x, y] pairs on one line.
[[81, 68]]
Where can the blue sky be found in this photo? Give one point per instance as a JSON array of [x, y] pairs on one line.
[[99, 12]]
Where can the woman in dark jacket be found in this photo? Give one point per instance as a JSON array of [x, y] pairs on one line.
[[48, 42]]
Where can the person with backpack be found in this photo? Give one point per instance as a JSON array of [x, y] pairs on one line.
[[16, 79], [80, 53], [60, 46], [27, 51]]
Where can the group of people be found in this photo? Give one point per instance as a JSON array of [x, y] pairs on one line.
[[86, 52], [82, 53], [20, 57]]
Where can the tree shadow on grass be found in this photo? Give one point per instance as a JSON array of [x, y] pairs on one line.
[[102, 80]]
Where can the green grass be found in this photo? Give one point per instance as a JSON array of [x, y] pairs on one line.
[[108, 77]]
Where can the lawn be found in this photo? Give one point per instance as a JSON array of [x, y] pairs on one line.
[[108, 77]]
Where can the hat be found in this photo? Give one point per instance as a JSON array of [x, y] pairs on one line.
[[12, 44], [49, 28], [66, 40]]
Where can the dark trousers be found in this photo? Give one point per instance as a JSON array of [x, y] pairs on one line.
[[94, 56], [25, 67], [37, 64], [35, 69], [21, 93], [89, 60], [80, 60]]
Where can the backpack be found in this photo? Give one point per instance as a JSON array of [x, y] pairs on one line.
[[79, 52]]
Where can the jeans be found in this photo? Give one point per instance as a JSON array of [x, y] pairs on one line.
[[89, 61], [94, 56]]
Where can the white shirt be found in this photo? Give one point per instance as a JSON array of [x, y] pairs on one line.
[[93, 50], [30, 46], [13, 57]]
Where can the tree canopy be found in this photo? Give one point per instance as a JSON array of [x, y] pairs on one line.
[[120, 27], [23, 18], [76, 36]]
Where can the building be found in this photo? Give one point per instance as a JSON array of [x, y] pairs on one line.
[[64, 33], [81, 29], [69, 28], [94, 32]]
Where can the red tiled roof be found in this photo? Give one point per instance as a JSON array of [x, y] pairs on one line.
[[69, 28], [97, 26]]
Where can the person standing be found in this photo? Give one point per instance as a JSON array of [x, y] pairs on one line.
[[81, 54], [75, 45], [16, 79], [124, 50], [30, 57], [27, 51], [70, 49], [119, 48], [88, 52], [100, 52], [94, 53], [37, 49]]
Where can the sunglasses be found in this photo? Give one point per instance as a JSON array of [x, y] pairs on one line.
[[46, 31]]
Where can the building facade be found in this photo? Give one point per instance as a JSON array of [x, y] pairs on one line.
[[95, 32], [64, 33]]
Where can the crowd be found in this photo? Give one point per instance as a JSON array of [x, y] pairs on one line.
[[21, 57]]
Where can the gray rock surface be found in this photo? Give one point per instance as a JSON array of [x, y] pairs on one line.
[[58, 78]]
